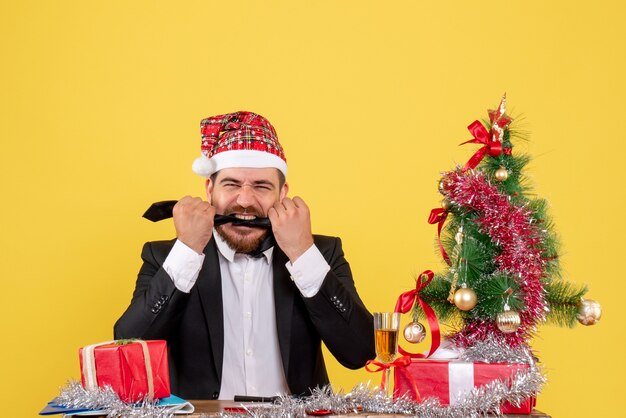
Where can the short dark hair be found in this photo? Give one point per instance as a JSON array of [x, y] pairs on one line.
[[281, 178]]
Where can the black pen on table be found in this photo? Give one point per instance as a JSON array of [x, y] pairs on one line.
[[245, 398]]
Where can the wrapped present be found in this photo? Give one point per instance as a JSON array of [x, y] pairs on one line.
[[450, 381], [135, 369]]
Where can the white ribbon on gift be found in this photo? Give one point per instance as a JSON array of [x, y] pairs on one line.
[[460, 374], [460, 380], [89, 365]]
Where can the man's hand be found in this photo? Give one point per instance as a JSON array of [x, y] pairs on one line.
[[193, 220], [291, 224]]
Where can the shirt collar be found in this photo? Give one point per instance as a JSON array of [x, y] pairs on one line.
[[229, 253]]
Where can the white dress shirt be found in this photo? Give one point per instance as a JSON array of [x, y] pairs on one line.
[[251, 364]]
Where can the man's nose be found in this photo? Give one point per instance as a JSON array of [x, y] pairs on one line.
[[245, 197]]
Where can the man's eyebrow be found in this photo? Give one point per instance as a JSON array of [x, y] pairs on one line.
[[230, 180], [263, 183]]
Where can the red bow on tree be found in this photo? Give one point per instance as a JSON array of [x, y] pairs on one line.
[[438, 216], [491, 140]]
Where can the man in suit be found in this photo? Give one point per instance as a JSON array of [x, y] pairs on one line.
[[244, 309]]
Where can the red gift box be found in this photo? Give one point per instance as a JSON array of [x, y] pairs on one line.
[[449, 381], [130, 367]]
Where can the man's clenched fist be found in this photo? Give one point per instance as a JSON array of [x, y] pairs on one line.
[[193, 220], [291, 224]]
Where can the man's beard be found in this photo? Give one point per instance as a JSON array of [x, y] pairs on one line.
[[241, 243]]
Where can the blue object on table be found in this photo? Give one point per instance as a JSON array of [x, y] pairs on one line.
[[54, 408]]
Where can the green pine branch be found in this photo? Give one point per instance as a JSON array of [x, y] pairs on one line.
[[493, 291], [478, 249], [551, 245], [563, 298]]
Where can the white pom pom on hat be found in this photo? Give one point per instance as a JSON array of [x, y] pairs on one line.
[[203, 166]]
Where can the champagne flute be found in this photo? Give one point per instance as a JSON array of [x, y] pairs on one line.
[[386, 327]]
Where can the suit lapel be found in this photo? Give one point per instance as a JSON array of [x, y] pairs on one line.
[[284, 293], [209, 286]]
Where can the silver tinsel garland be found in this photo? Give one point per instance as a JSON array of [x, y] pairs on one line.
[[497, 351], [73, 395], [477, 403]]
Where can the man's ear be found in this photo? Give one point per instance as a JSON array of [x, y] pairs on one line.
[[284, 191], [208, 185]]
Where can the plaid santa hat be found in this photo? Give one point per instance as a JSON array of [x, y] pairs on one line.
[[240, 139]]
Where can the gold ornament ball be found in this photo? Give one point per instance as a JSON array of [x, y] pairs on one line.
[[445, 204], [589, 312], [465, 299], [414, 332], [502, 174], [508, 321]]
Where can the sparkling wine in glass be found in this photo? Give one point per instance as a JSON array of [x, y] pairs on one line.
[[386, 327], [386, 344]]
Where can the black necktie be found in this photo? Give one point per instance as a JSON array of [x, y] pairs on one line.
[[267, 243], [163, 210]]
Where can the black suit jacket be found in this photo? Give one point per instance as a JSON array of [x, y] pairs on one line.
[[192, 323]]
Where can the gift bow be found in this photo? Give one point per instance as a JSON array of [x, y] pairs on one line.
[[438, 216], [89, 364], [400, 364], [404, 304], [491, 144]]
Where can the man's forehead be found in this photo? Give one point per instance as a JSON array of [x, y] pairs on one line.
[[248, 174]]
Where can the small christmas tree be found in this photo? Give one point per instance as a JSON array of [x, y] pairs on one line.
[[503, 275]]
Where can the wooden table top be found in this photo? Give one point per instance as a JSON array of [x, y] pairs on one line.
[[213, 408]]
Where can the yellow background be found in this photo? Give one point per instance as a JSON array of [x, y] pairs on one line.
[[99, 116]]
